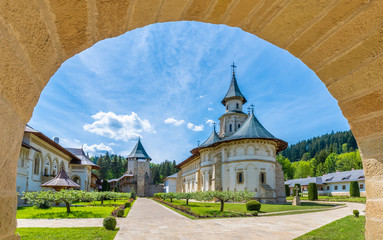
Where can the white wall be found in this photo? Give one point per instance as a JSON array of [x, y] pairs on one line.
[[170, 185]]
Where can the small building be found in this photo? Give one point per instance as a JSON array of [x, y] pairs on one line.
[[170, 183], [334, 184]]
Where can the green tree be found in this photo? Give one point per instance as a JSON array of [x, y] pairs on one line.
[[354, 189], [224, 196], [312, 192], [320, 170], [302, 169], [330, 163]]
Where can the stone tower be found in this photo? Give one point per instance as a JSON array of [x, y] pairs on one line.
[[233, 101], [138, 165]]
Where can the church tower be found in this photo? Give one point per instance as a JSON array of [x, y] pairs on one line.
[[233, 101], [138, 165]]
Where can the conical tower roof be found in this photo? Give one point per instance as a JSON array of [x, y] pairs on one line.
[[139, 151], [233, 91], [213, 138], [61, 181]]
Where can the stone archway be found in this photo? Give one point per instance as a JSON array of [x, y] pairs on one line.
[[340, 41]]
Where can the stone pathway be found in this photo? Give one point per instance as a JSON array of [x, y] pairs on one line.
[[150, 220]]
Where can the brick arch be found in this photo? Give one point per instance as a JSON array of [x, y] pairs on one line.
[[340, 41]]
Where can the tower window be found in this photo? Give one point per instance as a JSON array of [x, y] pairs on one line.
[[263, 180], [230, 128], [227, 107], [240, 177], [237, 105], [239, 125]]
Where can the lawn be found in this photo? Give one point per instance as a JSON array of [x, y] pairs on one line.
[[345, 228], [211, 209], [336, 199], [83, 233], [97, 211], [98, 203]]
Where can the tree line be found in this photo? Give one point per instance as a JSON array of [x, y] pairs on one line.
[[322, 155], [114, 166]]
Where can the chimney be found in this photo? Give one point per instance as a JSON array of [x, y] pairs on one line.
[[309, 176], [337, 171], [57, 140], [352, 169]]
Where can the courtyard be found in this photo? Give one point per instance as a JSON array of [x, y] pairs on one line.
[[148, 219]]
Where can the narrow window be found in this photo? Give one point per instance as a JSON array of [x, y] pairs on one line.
[[37, 165], [262, 177], [230, 128], [227, 107], [336, 188], [328, 187], [344, 187], [361, 186], [240, 177], [239, 125], [237, 105]]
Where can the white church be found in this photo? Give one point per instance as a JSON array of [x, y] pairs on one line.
[[241, 157]]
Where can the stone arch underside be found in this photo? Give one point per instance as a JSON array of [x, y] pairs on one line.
[[340, 41]]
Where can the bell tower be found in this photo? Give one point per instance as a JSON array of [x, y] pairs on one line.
[[233, 101]]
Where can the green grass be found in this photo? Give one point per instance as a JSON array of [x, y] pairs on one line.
[[335, 199], [83, 233], [343, 229], [88, 210], [212, 209]]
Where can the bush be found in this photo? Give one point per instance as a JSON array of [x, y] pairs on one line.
[[128, 204], [133, 195], [313, 192], [287, 190], [43, 205], [354, 189], [299, 191], [254, 213], [109, 223], [120, 212], [356, 213], [253, 205]]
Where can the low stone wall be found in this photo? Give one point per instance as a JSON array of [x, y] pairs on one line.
[[155, 188]]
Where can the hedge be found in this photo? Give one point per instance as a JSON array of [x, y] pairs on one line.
[[354, 189], [313, 192]]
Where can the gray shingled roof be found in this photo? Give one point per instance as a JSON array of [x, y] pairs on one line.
[[139, 151], [82, 158], [251, 128], [213, 138], [233, 91], [61, 181], [172, 176], [118, 179], [347, 176]]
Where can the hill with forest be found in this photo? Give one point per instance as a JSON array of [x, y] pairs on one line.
[[320, 155], [114, 166]]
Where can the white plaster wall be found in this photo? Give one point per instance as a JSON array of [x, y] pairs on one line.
[[170, 185]]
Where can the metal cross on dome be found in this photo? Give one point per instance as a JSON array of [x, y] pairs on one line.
[[233, 67]]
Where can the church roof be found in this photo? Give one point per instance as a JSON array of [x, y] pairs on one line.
[[61, 181], [251, 128], [212, 139], [139, 151], [82, 158], [233, 91]]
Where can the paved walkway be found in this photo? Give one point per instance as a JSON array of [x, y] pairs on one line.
[[150, 220]]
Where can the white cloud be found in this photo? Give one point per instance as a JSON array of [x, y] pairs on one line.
[[97, 149], [210, 122], [210, 109], [174, 121], [119, 127], [76, 140], [200, 96], [195, 128]]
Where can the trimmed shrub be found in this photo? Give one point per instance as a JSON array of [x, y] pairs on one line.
[[354, 189], [299, 191], [128, 204], [43, 205], [254, 213], [287, 190], [313, 192], [253, 205], [133, 195], [109, 223], [356, 213], [120, 212]]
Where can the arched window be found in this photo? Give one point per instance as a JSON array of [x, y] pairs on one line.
[[230, 128], [237, 105], [77, 180], [36, 169], [62, 166], [239, 125]]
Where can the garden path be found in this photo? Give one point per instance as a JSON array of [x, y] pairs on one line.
[[150, 220]]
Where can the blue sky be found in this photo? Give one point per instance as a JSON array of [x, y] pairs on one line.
[[165, 82]]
